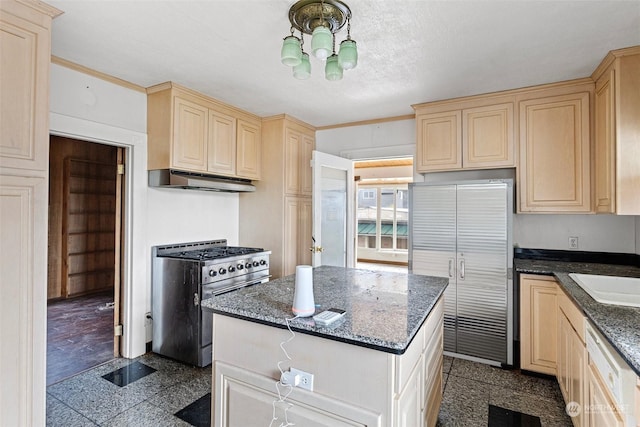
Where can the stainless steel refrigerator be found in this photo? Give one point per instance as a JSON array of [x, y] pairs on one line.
[[463, 231]]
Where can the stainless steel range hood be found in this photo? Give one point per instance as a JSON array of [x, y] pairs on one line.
[[171, 178]]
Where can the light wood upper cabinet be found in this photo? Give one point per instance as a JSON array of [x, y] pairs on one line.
[[24, 83], [221, 143], [298, 150], [538, 323], [283, 196], [439, 141], [473, 134], [617, 145], [487, 136], [554, 168], [249, 150], [308, 144], [189, 136], [189, 131]]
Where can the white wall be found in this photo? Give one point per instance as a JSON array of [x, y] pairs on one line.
[[88, 108], [597, 233], [387, 139]]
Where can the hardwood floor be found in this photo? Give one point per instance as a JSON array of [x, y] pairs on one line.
[[79, 335]]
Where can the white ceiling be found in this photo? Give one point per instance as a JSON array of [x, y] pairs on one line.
[[409, 51]]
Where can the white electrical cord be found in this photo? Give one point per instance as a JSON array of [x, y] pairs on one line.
[[282, 398]]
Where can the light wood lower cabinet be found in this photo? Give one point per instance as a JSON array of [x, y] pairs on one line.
[[572, 364], [538, 323], [298, 217], [353, 385], [601, 409]]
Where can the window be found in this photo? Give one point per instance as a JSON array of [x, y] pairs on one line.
[[368, 194], [382, 217]]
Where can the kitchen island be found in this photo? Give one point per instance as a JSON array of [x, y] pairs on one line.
[[381, 365]]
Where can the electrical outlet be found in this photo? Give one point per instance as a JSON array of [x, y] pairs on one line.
[[573, 243], [306, 379]]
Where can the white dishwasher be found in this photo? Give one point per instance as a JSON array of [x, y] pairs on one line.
[[618, 377]]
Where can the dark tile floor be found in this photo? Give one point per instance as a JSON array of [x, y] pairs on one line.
[[471, 388], [79, 335], [179, 395]]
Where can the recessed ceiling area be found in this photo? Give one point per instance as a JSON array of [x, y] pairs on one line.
[[409, 51]]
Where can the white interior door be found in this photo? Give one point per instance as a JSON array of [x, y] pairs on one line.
[[333, 211]]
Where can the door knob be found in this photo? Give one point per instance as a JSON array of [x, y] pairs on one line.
[[316, 249]]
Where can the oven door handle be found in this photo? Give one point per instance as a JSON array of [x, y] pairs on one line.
[[218, 291]]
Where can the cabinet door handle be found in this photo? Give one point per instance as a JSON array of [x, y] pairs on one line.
[[462, 268], [451, 267]]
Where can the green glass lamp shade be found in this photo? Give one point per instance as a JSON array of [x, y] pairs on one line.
[[302, 71], [321, 42], [332, 70], [291, 53], [348, 56]]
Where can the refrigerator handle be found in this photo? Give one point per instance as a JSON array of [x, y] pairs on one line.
[[462, 268], [451, 273]]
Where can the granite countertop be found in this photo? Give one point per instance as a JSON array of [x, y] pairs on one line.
[[384, 310], [619, 324]]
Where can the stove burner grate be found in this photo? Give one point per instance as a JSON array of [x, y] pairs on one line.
[[217, 252]]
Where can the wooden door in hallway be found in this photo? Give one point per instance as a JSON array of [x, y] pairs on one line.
[[85, 236]]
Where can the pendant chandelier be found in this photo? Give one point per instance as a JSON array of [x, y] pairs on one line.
[[320, 19]]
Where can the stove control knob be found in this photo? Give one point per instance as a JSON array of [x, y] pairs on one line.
[[231, 269], [240, 266], [222, 271], [263, 262], [247, 265], [255, 263], [213, 273]]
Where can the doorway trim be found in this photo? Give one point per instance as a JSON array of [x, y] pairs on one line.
[[133, 298]]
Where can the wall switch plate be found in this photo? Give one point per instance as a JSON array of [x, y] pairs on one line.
[[306, 379], [573, 243]]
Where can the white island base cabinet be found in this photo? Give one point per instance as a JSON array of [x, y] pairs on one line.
[[352, 385]]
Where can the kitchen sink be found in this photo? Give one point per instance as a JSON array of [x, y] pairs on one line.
[[610, 289]]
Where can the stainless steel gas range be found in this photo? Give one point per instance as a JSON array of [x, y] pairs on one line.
[[185, 274]]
